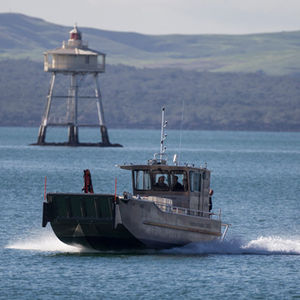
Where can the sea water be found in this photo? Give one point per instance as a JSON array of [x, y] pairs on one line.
[[256, 183]]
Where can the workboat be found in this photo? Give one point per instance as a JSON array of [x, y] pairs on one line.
[[170, 206]]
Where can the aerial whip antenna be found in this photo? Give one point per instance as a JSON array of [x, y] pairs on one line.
[[162, 134], [180, 130]]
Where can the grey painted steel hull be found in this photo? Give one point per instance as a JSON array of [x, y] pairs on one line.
[[159, 229]]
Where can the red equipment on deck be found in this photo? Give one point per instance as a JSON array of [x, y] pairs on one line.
[[88, 185]]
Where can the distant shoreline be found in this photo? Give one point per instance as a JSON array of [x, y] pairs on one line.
[[171, 129]]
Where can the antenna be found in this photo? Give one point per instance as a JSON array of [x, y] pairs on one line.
[[162, 135], [163, 148], [180, 132]]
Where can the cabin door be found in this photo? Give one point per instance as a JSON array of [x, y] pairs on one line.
[[202, 185], [196, 188]]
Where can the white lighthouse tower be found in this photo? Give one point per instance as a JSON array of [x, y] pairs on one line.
[[74, 59]]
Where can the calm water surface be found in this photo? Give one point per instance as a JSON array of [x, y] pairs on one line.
[[256, 182]]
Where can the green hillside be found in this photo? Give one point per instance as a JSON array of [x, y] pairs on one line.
[[277, 53], [133, 98]]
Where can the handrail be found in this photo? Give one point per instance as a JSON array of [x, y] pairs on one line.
[[185, 211], [165, 205], [225, 231], [48, 66]]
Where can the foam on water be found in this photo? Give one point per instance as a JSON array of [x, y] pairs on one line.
[[47, 242], [261, 246]]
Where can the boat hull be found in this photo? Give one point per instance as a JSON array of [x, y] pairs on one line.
[[157, 228], [97, 221], [94, 237]]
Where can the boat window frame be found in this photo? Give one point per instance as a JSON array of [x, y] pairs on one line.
[[134, 172], [185, 178], [191, 175], [154, 182]]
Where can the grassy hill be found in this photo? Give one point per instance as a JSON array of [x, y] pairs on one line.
[[231, 82], [275, 53]]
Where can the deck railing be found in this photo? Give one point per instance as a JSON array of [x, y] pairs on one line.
[[166, 205], [187, 211], [51, 66]]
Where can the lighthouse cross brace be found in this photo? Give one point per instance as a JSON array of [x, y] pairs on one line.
[[72, 112]]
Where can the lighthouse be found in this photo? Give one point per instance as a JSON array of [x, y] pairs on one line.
[[76, 61]]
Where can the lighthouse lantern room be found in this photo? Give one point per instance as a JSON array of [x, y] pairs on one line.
[[74, 59]]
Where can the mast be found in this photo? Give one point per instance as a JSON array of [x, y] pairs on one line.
[[163, 135]]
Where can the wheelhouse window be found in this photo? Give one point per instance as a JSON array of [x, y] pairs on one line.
[[160, 181], [142, 180], [195, 181], [178, 181]]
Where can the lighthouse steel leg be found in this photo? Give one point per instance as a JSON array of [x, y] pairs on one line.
[[73, 127], [43, 126], [103, 129]]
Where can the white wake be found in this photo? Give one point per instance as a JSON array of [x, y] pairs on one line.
[[261, 246], [46, 242], [272, 245]]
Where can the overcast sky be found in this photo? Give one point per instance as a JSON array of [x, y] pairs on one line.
[[166, 16]]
